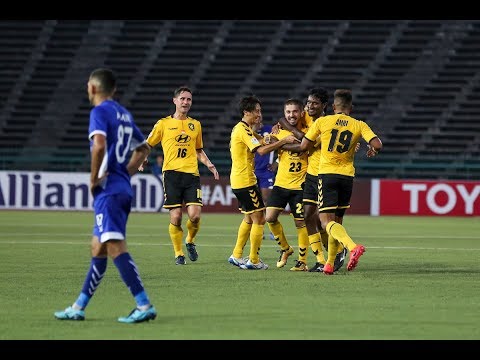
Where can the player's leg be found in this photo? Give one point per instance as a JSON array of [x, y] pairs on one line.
[[193, 201], [174, 202], [275, 205], [96, 271], [296, 205], [243, 233], [310, 208]]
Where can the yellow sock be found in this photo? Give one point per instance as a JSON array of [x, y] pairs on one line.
[[192, 230], [316, 245], [176, 235], [302, 244], [340, 247], [340, 234], [242, 238], [324, 237], [332, 250], [276, 229], [256, 237]]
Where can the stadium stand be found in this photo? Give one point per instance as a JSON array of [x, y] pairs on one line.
[[416, 82]]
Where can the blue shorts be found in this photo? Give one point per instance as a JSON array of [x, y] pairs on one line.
[[265, 182], [111, 214]]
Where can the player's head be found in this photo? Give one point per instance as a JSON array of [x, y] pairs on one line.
[[342, 101], [102, 84], [250, 109], [317, 102], [292, 110], [182, 98]]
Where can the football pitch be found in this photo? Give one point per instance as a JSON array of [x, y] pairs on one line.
[[419, 279]]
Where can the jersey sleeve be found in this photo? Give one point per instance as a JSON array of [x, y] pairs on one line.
[[98, 122], [313, 132], [249, 139], [199, 144], [367, 133], [156, 134]]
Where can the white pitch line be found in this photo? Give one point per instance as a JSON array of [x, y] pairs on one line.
[[4, 234], [44, 242]]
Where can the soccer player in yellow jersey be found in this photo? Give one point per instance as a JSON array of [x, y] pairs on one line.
[[339, 134], [244, 142], [288, 189], [182, 143], [316, 104]]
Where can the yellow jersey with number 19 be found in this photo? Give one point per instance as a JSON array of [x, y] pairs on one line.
[[339, 135]]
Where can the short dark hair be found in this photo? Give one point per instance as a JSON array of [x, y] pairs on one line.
[[182, 89], [320, 93], [343, 97], [293, 101], [248, 103], [106, 80]]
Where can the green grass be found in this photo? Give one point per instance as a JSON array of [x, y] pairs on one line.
[[419, 279]]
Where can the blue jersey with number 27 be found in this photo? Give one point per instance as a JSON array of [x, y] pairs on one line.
[[116, 123]]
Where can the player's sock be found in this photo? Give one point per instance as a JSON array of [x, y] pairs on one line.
[[131, 277], [316, 246], [303, 244], [176, 235], [192, 228], [339, 233], [242, 238], [95, 274], [277, 230], [256, 235]]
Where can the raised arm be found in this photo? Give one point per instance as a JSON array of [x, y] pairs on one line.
[[265, 149]]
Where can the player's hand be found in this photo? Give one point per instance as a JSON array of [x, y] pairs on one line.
[[142, 166], [357, 147], [214, 171], [267, 139], [371, 152], [97, 182], [290, 139], [276, 128]]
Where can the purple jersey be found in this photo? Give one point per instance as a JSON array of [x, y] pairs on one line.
[[116, 123], [262, 161]]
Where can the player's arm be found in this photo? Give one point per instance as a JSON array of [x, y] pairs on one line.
[[99, 147], [138, 158], [374, 146], [305, 145], [265, 149], [203, 158], [287, 126]]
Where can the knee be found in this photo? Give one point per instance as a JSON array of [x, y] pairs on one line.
[[195, 218]]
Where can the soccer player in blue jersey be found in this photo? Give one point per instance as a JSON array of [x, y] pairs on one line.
[[117, 149]]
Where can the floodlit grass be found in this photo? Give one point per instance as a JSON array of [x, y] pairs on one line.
[[419, 279]]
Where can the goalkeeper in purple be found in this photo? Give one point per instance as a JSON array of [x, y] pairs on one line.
[[117, 149]]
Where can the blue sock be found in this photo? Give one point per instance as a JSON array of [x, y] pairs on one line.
[[95, 274], [131, 277]]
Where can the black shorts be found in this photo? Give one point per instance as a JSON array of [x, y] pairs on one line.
[[280, 197], [334, 193], [249, 199], [310, 190], [181, 188]]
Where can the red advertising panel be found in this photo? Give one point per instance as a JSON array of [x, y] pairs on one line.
[[426, 197]]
